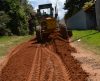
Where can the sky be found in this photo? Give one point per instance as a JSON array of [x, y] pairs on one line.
[[60, 4]]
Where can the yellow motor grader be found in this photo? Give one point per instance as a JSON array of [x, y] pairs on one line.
[[48, 23]]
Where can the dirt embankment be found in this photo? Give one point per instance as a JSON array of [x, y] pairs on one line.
[[73, 66], [89, 60], [42, 62]]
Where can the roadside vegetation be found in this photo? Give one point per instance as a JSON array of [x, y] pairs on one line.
[[90, 39], [14, 17], [14, 23], [9, 42], [73, 6]]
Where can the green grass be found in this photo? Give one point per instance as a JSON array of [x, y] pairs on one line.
[[8, 42], [90, 39]]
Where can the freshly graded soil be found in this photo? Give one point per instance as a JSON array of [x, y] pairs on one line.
[[32, 61]]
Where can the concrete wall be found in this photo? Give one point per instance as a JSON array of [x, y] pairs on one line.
[[91, 20], [77, 21], [98, 14], [82, 20]]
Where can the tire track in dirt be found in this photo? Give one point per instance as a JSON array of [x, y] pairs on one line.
[[33, 65], [62, 73], [44, 64], [39, 62], [19, 65], [50, 67], [11, 53]]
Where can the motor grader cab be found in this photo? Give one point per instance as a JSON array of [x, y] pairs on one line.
[[47, 22], [45, 6]]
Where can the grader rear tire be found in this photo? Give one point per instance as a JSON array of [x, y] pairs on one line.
[[38, 36]]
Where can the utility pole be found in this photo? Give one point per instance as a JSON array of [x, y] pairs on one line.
[[56, 10]]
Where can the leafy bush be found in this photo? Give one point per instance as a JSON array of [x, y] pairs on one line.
[[88, 5], [19, 21], [16, 20], [4, 19]]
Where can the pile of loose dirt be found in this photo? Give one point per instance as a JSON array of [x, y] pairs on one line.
[[42, 62], [73, 66]]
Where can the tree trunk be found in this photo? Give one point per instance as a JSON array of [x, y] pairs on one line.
[[98, 14]]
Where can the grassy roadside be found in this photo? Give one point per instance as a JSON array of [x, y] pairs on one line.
[[8, 42], [90, 39]]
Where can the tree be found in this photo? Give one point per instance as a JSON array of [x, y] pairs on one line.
[[88, 5], [4, 19], [4, 6], [18, 12], [98, 13], [18, 23], [73, 6]]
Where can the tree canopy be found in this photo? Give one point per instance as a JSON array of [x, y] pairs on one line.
[[73, 6], [16, 14]]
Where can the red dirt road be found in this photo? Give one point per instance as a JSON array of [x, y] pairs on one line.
[[31, 61]]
